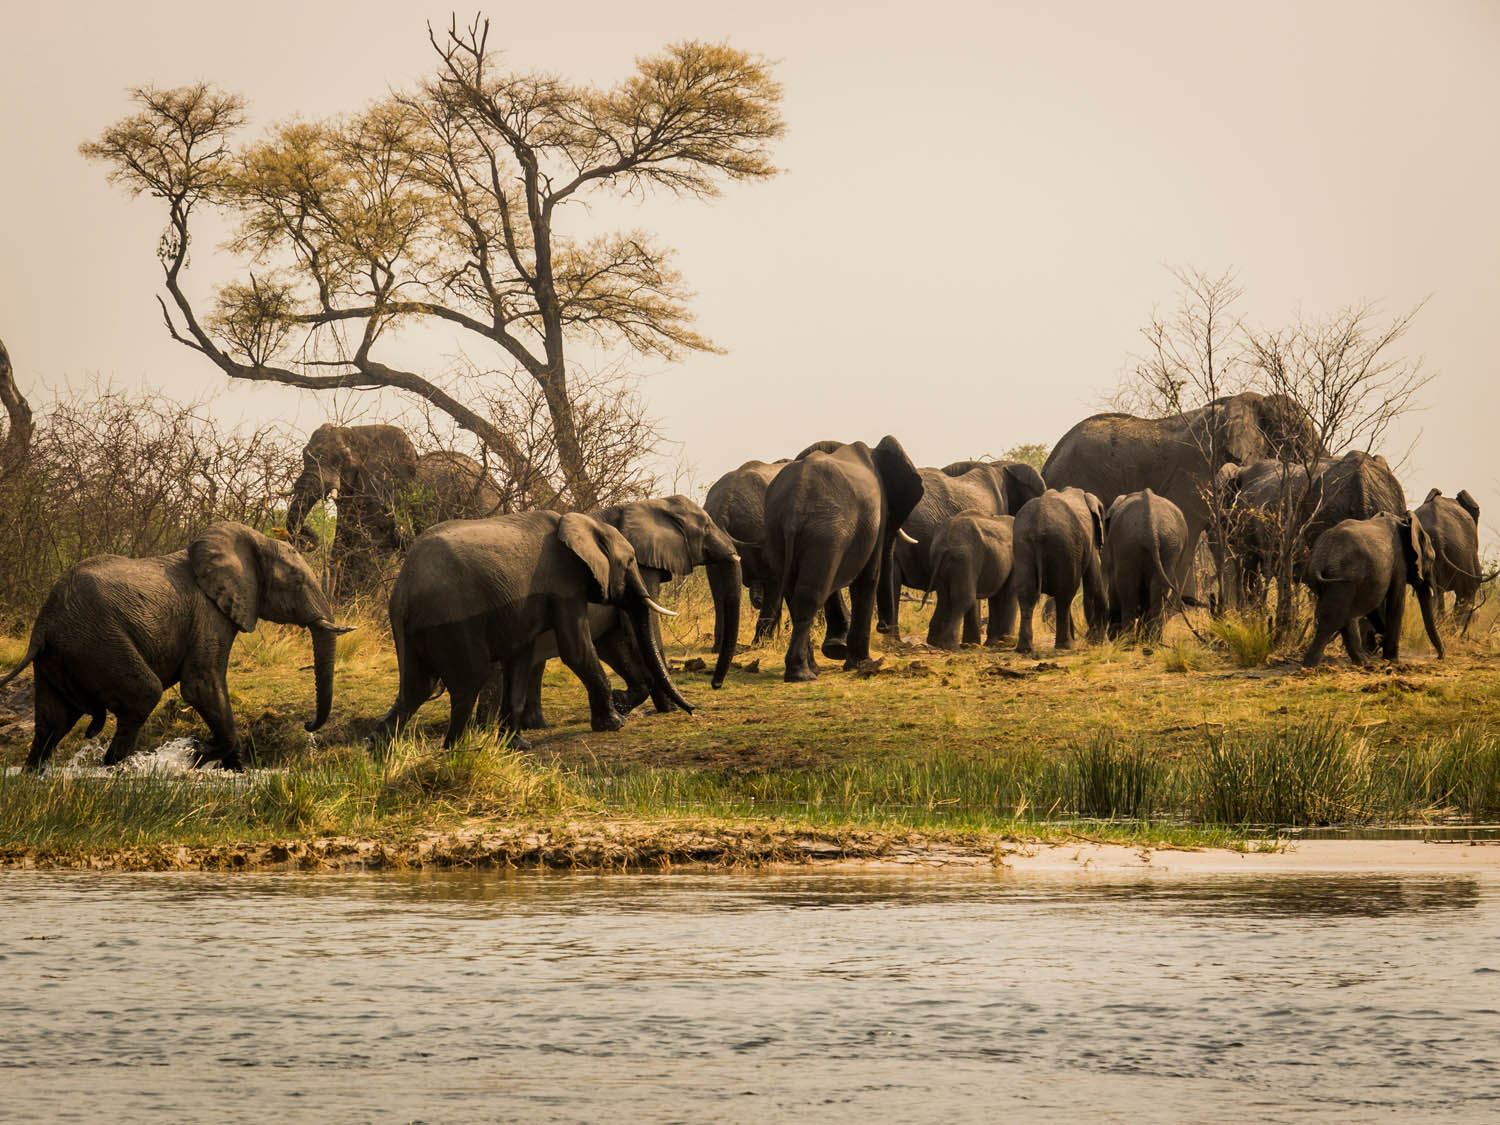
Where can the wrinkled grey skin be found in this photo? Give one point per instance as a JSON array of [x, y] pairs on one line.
[[671, 536], [972, 556], [1059, 538], [1112, 454], [1144, 538], [472, 593], [831, 518], [994, 488], [375, 469], [1258, 500], [1354, 487], [737, 504], [1453, 526], [116, 632], [1359, 570]]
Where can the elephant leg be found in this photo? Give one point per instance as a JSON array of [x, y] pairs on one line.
[[1350, 632], [531, 716], [415, 688], [802, 605], [576, 647], [889, 587], [205, 692], [971, 623], [769, 621], [1064, 637], [1003, 613], [836, 637], [861, 618], [53, 718], [521, 692], [1026, 606], [1395, 614], [942, 630], [617, 649]]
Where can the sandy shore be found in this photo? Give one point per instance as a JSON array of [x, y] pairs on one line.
[[631, 845]]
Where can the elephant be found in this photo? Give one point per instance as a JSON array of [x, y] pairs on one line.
[[671, 536], [1354, 487], [1144, 537], [386, 493], [116, 632], [972, 556], [992, 487], [473, 593], [1177, 456], [1453, 526], [832, 517], [1058, 540], [1359, 571], [737, 504], [1260, 501]]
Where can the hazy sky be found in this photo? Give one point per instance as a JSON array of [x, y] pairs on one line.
[[979, 203]]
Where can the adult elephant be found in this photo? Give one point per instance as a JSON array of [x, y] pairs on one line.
[[474, 593], [1260, 501], [832, 517], [1452, 523], [991, 488], [1177, 456], [116, 632], [386, 493], [737, 504], [1354, 487], [671, 536]]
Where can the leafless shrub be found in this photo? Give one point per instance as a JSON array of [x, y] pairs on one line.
[[129, 473]]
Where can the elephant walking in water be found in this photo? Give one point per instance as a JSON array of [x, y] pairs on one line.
[[1058, 540], [1177, 456], [116, 632]]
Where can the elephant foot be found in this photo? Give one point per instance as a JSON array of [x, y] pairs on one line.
[[624, 701], [610, 720], [882, 626], [533, 719], [800, 675], [517, 740], [835, 648]]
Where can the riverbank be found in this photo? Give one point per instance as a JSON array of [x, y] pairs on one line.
[[635, 846]]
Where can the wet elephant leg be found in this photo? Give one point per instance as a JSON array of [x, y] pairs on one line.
[[53, 717], [204, 691]]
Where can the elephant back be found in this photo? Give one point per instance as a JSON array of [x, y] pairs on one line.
[[1357, 486]]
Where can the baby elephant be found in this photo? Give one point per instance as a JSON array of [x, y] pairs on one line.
[[971, 559], [116, 632], [1145, 536], [1361, 569], [1058, 539]]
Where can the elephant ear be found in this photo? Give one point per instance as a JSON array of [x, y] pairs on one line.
[[828, 445], [1022, 483], [1468, 504], [1417, 547], [1433, 495], [226, 566], [1113, 511], [899, 478], [1243, 439], [668, 534], [602, 549]]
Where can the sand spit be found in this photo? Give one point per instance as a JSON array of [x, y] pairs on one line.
[[629, 845]]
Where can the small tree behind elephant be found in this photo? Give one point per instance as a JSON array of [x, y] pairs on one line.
[[972, 557], [831, 520], [992, 488], [1259, 501], [1144, 538], [474, 593], [1452, 523], [1058, 538], [116, 632], [671, 537], [1359, 571]]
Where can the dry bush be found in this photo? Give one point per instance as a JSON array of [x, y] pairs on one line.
[[129, 473]]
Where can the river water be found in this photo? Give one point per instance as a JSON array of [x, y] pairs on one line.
[[752, 997]]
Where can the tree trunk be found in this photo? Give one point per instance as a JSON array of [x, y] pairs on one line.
[[18, 439], [570, 456]]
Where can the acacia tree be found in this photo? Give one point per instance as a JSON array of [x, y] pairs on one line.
[[441, 205]]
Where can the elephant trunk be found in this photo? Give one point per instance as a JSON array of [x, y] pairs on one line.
[[1424, 599], [305, 493], [724, 579], [325, 640], [639, 615]]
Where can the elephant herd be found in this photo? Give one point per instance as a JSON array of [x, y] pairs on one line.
[[483, 601]]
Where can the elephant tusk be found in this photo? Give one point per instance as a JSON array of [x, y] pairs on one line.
[[905, 536], [661, 609], [336, 630], [734, 558]]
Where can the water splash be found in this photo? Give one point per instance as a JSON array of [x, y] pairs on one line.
[[173, 758]]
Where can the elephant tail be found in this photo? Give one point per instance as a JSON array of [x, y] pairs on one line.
[[33, 650]]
